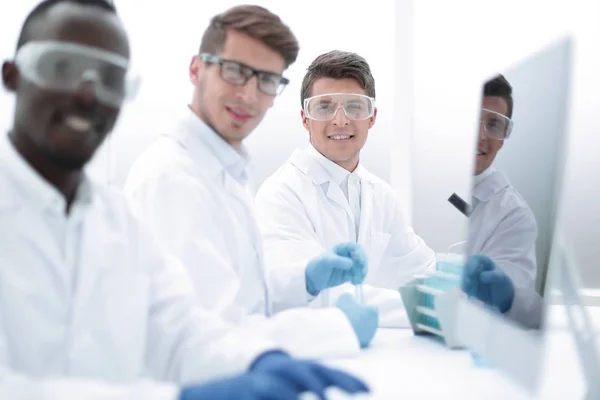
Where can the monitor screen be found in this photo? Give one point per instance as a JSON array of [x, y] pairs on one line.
[[519, 156]]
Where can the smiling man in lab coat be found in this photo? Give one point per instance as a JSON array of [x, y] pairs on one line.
[[85, 297], [502, 227], [323, 195], [192, 188]]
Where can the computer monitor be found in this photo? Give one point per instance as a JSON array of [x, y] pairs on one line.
[[518, 167]]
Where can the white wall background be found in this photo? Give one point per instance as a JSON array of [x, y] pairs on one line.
[[165, 36], [454, 52], [428, 81], [166, 87]]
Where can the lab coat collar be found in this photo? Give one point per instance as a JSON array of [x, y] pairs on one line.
[[28, 183], [490, 185], [322, 170], [477, 179], [310, 166], [195, 135], [335, 172]]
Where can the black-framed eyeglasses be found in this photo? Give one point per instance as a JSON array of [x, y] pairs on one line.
[[239, 74]]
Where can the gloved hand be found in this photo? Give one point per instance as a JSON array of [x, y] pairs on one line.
[[304, 375], [363, 318], [248, 386], [346, 262], [486, 282]]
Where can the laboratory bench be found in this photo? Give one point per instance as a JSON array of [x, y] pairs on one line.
[[399, 365]]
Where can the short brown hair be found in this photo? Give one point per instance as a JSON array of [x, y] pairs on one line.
[[256, 22], [338, 64], [499, 87]]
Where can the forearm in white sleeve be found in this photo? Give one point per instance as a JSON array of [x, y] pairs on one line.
[[527, 308], [289, 241], [187, 344], [19, 386]]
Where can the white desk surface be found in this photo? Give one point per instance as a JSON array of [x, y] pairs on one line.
[[400, 365]]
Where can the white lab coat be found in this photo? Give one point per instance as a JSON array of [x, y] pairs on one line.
[[87, 297], [202, 215], [503, 227], [302, 212]]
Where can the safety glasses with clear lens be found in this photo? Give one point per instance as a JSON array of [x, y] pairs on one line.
[[239, 74], [70, 68], [495, 125], [324, 107]]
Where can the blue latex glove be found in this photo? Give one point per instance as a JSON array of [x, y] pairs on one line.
[[363, 318], [486, 282], [249, 386], [305, 376], [346, 262]]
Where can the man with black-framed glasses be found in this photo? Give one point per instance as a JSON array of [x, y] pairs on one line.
[[502, 268], [192, 188]]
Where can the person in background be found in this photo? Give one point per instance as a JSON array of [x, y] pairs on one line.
[[192, 187], [501, 270], [323, 195], [88, 307]]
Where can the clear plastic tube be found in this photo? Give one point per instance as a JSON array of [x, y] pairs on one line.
[[358, 292]]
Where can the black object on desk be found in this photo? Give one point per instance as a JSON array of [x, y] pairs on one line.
[[460, 204]]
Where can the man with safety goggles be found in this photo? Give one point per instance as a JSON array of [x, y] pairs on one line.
[[502, 228], [70, 95], [85, 296], [323, 195]]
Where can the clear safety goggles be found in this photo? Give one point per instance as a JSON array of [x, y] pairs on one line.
[[324, 107], [495, 125], [70, 67]]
